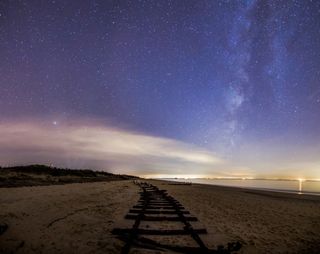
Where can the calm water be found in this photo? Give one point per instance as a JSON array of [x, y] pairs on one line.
[[307, 187]]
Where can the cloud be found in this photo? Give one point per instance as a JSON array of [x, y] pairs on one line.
[[95, 145]]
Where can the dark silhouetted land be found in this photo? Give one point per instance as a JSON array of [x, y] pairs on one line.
[[33, 175]]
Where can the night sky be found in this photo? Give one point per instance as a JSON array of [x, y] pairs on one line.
[[189, 88]]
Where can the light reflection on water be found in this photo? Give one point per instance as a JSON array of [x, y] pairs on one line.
[[299, 186]]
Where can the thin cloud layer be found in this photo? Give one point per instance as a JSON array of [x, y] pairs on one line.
[[102, 147]]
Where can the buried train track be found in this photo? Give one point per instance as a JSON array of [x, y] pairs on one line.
[[157, 205]]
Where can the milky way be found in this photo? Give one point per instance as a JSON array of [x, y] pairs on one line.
[[236, 79]]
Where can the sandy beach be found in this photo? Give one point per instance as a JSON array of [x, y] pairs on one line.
[[79, 218]]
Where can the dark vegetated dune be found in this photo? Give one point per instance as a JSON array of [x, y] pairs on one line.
[[45, 175]]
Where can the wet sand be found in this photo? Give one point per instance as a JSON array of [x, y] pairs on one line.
[[79, 218]]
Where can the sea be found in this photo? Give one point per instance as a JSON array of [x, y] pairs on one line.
[[311, 187]]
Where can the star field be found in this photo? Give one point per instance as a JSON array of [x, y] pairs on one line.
[[240, 79]]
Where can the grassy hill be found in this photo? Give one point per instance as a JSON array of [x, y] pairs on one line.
[[32, 175]]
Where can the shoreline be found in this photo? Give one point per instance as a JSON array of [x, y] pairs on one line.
[[266, 190], [288, 191]]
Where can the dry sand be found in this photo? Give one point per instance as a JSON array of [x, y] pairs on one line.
[[78, 218]]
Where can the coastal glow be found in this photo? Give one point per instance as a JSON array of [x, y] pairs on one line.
[[181, 176], [80, 143]]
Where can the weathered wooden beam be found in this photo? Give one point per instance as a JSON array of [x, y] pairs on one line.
[[159, 218], [119, 231], [156, 211]]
